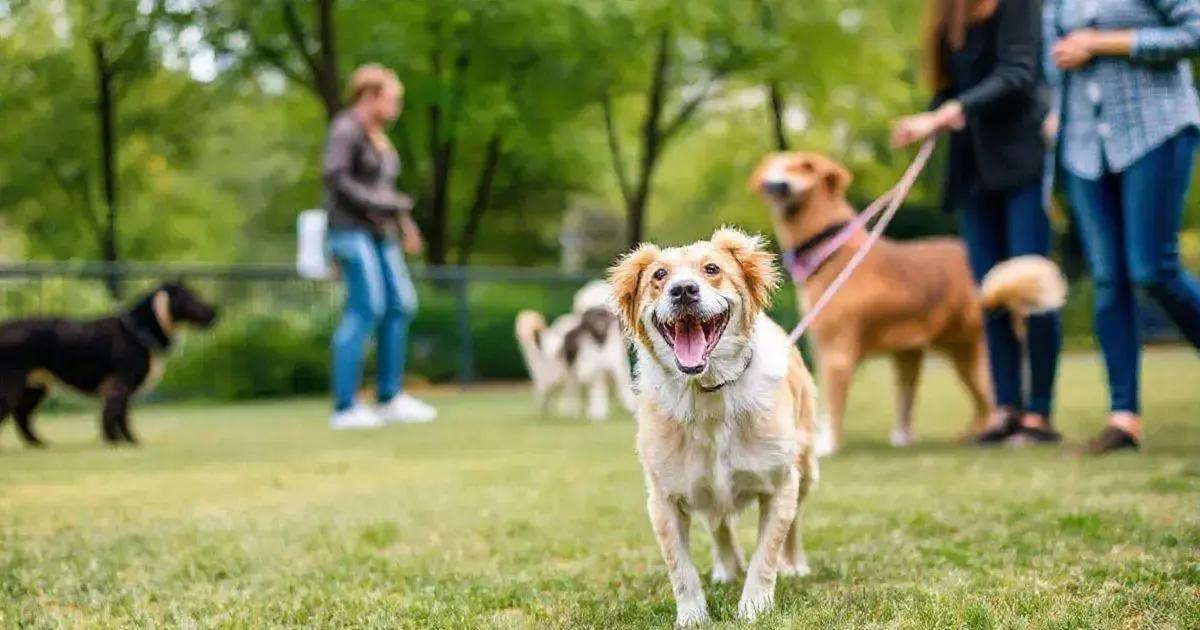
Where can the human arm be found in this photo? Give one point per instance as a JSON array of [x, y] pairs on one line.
[[1179, 38], [411, 234], [1018, 34]]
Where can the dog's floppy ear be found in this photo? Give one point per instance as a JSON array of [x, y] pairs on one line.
[[161, 306], [625, 276], [837, 178], [757, 263]]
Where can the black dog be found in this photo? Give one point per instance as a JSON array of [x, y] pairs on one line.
[[111, 357]]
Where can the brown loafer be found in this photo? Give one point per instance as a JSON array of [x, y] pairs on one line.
[[1111, 440]]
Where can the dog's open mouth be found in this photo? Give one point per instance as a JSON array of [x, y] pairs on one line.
[[692, 339]]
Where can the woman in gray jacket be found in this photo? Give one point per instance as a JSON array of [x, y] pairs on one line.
[[366, 215]]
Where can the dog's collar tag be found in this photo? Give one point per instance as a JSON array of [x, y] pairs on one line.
[[720, 386]]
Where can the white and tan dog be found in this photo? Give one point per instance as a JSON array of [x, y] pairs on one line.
[[726, 411], [579, 355]]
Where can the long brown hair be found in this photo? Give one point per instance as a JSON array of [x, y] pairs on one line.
[[946, 23]]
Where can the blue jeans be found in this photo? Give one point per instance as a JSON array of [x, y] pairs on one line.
[[997, 226], [1129, 223], [379, 297]]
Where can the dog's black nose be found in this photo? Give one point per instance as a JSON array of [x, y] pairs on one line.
[[685, 292], [776, 188]]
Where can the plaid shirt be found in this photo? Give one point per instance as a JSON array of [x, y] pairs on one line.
[[1117, 109]]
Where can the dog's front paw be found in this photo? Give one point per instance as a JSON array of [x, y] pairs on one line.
[[754, 603], [799, 569], [723, 575], [824, 444], [901, 437], [691, 615]]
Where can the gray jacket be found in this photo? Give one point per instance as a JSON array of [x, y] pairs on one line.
[[1116, 110], [360, 180]]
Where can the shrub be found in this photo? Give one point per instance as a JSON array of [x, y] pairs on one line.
[[260, 351]]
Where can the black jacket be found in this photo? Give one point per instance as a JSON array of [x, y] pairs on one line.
[[996, 77]]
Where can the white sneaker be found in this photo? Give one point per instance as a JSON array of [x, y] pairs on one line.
[[357, 417], [406, 409]]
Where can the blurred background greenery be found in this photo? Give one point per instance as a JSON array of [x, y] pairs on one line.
[[217, 112], [546, 133], [518, 115]]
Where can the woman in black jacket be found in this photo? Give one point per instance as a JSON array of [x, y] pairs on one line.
[[982, 59]]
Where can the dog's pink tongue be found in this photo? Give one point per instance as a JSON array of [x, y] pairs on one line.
[[689, 344]]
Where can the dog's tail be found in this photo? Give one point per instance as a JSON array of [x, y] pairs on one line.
[[595, 294], [1025, 285], [529, 328]]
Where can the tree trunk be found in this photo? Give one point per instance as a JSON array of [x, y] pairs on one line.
[[105, 114], [440, 153], [651, 141], [328, 80], [439, 201], [778, 127], [443, 140], [775, 98], [483, 193], [656, 130]]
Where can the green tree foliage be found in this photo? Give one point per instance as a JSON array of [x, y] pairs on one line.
[[654, 111], [63, 60]]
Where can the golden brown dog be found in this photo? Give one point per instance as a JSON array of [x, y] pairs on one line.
[[905, 299], [726, 411]]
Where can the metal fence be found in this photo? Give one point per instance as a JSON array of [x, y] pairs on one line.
[[278, 321], [273, 334]]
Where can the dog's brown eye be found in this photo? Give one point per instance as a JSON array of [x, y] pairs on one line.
[[711, 269], [660, 273]]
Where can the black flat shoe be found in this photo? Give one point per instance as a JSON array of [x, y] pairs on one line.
[[1111, 440], [1035, 435], [998, 434]]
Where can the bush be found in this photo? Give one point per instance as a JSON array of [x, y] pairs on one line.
[[266, 351], [253, 355], [273, 337]]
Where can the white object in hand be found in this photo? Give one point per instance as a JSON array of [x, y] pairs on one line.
[[311, 262]]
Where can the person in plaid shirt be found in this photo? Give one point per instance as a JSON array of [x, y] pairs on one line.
[[1127, 140]]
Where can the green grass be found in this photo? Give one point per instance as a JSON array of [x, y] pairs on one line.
[[256, 515]]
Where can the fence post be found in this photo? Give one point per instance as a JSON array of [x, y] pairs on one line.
[[466, 345]]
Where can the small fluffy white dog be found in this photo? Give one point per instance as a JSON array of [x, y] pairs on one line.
[[581, 352], [726, 411]]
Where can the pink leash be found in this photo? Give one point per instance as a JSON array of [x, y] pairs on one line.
[[889, 203]]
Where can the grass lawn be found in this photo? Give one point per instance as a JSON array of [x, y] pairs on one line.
[[256, 515]]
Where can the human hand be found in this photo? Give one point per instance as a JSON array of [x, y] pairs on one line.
[[1075, 50], [918, 127], [950, 116], [1050, 128], [410, 236], [912, 129]]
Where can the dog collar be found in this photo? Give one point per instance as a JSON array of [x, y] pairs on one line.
[[806, 259], [145, 339], [720, 386]]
